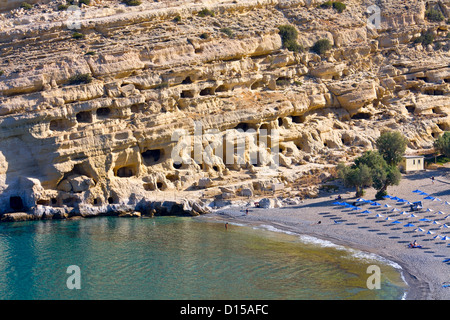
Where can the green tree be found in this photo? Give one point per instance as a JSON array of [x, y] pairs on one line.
[[370, 170], [392, 146], [358, 177], [442, 144]]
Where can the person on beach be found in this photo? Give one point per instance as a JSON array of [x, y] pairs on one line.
[[414, 245], [246, 212], [226, 225], [432, 179]]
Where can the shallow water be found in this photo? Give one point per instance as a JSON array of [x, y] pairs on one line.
[[180, 258]]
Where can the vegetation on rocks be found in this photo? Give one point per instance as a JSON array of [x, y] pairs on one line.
[[288, 35], [321, 46]]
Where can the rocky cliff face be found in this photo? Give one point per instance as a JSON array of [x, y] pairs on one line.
[[91, 117]]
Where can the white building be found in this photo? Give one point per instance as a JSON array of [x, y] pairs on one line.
[[412, 163]]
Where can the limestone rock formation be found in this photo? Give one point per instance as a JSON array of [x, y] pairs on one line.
[[111, 108]]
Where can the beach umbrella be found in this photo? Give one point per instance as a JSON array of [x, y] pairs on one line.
[[417, 191], [387, 206], [395, 209], [402, 200], [403, 212], [394, 198], [445, 238], [388, 218], [375, 204], [337, 203], [436, 237], [437, 199], [444, 226], [412, 215], [430, 232], [366, 211], [419, 230], [396, 221], [379, 215], [429, 210], [348, 204], [446, 202], [424, 219], [447, 217], [423, 193], [429, 198], [409, 225], [440, 212], [435, 222], [360, 200], [356, 208], [368, 201]]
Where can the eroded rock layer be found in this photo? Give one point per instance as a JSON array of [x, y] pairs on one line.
[[68, 142]]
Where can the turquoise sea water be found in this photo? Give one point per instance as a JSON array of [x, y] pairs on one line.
[[179, 258]]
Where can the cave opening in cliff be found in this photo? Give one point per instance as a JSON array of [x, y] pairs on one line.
[[110, 200], [411, 109], [103, 112], [177, 165], [207, 92], [297, 119], [152, 156], [187, 80], [84, 117], [257, 84], [361, 115], [283, 81], [433, 92], [280, 122], [60, 125], [187, 94], [16, 203], [244, 126], [126, 171], [221, 88]]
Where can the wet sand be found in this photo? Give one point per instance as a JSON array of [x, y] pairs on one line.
[[425, 269]]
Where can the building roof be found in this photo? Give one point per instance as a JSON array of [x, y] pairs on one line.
[[413, 156]]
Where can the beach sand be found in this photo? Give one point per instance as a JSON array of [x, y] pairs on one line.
[[425, 269]]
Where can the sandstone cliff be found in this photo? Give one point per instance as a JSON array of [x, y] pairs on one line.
[[88, 115]]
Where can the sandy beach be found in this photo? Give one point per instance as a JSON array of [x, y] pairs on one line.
[[384, 230]]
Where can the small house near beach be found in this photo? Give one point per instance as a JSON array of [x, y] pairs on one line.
[[412, 163]]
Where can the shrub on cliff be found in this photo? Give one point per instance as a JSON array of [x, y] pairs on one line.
[[425, 39], [26, 6], [80, 78], [339, 6], [205, 12], [77, 35], [228, 32], [321, 46], [288, 36], [434, 15], [132, 2]]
